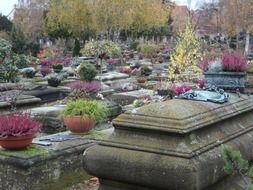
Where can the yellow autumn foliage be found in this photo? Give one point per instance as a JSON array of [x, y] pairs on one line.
[[187, 52], [105, 15]]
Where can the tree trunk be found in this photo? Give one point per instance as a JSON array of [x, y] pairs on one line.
[[247, 43]]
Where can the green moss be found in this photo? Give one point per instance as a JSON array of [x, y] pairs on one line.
[[32, 150], [67, 179], [93, 134]]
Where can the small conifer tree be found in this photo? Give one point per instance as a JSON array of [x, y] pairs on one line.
[[188, 50], [76, 49], [235, 164]]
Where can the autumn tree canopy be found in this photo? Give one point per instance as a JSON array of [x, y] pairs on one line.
[[73, 16], [104, 16]]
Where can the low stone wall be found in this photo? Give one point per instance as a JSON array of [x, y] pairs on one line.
[[51, 167]]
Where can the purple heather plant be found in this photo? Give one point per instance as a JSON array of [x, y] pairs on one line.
[[88, 87], [44, 62], [234, 61], [18, 124]]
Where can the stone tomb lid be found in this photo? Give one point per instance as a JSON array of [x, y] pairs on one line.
[[183, 116]]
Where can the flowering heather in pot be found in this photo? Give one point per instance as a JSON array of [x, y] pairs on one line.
[[86, 86], [18, 124], [234, 61]]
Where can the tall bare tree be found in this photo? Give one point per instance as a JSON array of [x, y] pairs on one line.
[[29, 16], [237, 16]]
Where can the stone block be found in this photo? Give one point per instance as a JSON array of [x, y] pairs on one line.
[[47, 94], [173, 145], [112, 76], [125, 98], [53, 167]]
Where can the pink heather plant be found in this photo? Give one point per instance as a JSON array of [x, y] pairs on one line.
[[86, 86], [182, 88], [234, 61], [201, 83], [18, 124], [204, 62]]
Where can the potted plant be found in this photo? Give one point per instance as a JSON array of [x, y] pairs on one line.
[[141, 80], [54, 80], [57, 67], [227, 72], [80, 116], [17, 130]]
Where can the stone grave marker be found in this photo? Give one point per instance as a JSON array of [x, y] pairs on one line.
[[176, 144]]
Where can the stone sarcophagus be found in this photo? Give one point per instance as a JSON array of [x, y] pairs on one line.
[[172, 145]]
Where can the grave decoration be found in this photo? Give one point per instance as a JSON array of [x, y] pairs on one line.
[[227, 71], [17, 131], [80, 116], [209, 93]]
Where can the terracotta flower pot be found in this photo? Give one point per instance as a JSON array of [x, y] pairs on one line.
[[141, 80], [79, 124], [16, 142]]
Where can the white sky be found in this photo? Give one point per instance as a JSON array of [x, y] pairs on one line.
[[7, 5], [193, 4]]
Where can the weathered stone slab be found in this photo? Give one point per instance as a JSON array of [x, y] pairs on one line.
[[46, 167], [22, 100], [49, 117], [47, 94], [125, 98], [118, 84], [112, 76], [172, 145]]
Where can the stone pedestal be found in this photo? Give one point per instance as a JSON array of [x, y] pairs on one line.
[[172, 145]]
